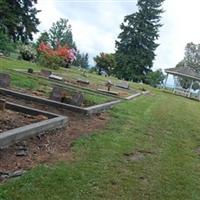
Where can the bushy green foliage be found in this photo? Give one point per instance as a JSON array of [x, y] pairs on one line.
[[155, 78], [53, 62], [27, 52], [192, 57], [18, 19], [44, 37], [191, 60], [81, 60], [105, 62], [6, 45], [137, 41], [61, 32]]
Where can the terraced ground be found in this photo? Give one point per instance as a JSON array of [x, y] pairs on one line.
[[150, 149]]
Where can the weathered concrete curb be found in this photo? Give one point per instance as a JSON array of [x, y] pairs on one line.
[[133, 96], [42, 100], [86, 111], [9, 137], [101, 107], [27, 110], [146, 92]]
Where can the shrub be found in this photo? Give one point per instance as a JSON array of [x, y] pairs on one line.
[[27, 52], [52, 62], [6, 45], [53, 58]]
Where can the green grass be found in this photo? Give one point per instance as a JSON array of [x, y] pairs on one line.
[[20, 80], [166, 125]]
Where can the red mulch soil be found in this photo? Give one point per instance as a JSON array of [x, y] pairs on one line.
[[54, 145]]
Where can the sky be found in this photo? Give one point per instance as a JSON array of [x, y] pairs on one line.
[[96, 25]]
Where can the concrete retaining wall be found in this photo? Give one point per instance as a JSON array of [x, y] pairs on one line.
[[42, 100], [86, 111], [101, 107], [9, 137]]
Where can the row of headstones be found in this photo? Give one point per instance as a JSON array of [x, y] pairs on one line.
[[57, 94], [109, 84], [5, 80], [60, 94]]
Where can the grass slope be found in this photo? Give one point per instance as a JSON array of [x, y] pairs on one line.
[[166, 125], [19, 80]]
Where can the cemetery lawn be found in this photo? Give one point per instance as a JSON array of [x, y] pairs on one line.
[[149, 150], [22, 81]]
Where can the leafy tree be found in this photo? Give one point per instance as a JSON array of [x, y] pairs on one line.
[[61, 33], [191, 60], [44, 37], [18, 19], [155, 78], [81, 60], [6, 45], [105, 62], [137, 41], [191, 57], [61, 56]]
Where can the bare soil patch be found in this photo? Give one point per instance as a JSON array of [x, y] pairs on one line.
[[10, 120], [52, 146], [137, 155]]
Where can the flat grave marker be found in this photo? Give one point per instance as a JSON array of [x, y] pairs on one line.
[[123, 85]]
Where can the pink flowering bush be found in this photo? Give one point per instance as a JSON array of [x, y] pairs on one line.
[[61, 56]]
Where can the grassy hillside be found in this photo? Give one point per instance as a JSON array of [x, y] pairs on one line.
[[149, 150], [20, 80]]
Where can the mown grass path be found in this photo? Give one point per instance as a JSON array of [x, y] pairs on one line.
[[164, 128]]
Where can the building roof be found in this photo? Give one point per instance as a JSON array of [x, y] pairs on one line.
[[184, 71]]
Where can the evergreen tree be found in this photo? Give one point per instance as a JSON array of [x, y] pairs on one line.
[[44, 37], [61, 32], [18, 19], [137, 41], [81, 60]]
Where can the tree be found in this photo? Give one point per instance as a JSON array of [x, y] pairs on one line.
[[137, 41], [60, 56], [81, 60], [191, 57], [191, 60], [6, 45], [61, 33], [44, 37], [105, 62], [155, 78], [18, 19]]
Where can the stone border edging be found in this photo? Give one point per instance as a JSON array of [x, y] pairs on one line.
[[88, 110], [100, 108], [11, 136]]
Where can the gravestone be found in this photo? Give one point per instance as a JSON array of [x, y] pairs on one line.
[[123, 85], [4, 80], [78, 99], [56, 94], [55, 77], [46, 73], [86, 82]]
